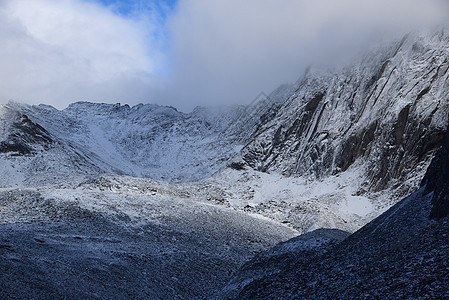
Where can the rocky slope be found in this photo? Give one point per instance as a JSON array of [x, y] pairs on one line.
[[401, 254], [92, 242]]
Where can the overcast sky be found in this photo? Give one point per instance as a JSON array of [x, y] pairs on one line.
[[183, 53]]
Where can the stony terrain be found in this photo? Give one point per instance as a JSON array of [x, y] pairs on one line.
[[87, 243], [401, 254]]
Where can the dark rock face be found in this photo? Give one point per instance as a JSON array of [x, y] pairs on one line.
[[437, 181], [237, 166], [15, 148], [24, 136]]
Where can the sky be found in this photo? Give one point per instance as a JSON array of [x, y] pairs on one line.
[[185, 53]]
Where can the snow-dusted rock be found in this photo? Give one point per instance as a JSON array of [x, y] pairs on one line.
[[386, 115]]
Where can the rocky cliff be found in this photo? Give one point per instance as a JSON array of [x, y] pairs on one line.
[[386, 114]]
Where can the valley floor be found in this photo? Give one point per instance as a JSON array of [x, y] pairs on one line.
[[115, 236], [87, 242]]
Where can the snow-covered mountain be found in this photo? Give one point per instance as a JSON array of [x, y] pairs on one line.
[[214, 186], [147, 140], [385, 115]]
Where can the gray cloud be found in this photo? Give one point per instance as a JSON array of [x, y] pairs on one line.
[[227, 51], [219, 52]]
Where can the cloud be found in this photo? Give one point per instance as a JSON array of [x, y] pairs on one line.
[[61, 51], [227, 51], [194, 52]]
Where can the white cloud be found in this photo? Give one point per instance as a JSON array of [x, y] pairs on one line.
[[230, 50], [60, 51]]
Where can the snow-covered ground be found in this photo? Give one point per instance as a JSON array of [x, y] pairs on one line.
[[83, 243], [304, 205]]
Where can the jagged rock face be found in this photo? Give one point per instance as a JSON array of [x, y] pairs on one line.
[[20, 136], [436, 181], [388, 113]]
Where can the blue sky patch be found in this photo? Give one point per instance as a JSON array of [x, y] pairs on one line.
[[130, 7]]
